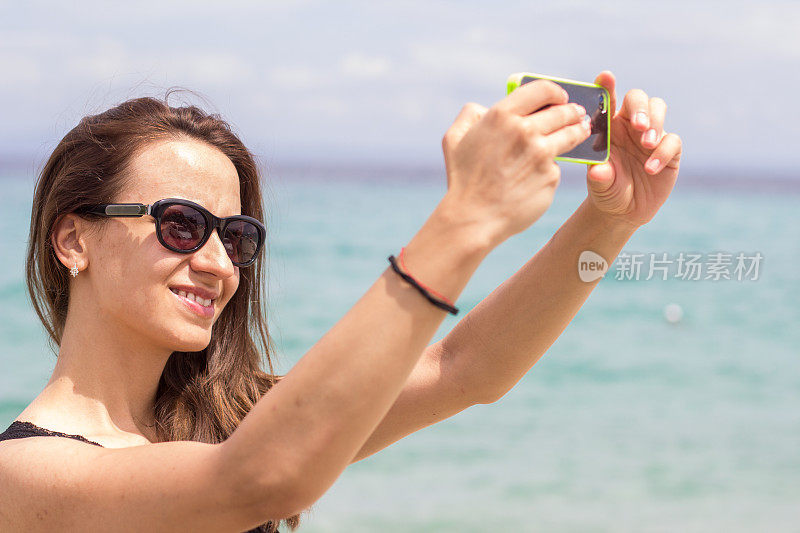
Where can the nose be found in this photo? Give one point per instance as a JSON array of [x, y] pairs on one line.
[[213, 258]]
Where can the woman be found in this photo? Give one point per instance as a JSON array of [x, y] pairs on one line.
[[144, 265]]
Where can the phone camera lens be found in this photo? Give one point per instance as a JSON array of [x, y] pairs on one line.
[[601, 103]]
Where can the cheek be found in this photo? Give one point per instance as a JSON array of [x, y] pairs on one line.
[[131, 269], [231, 286]]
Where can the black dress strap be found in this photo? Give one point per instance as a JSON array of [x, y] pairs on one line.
[[21, 430]]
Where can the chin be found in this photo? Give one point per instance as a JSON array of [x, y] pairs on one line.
[[190, 341], [196, 345]]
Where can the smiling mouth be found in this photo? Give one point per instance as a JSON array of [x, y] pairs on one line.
[[193, 298], [200, 306]]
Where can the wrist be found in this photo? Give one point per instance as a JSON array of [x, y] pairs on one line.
[[475, 234], [444, 253], [611, 224]]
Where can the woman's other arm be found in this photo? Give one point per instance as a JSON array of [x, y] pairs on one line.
[[496, 344], [502, 338]]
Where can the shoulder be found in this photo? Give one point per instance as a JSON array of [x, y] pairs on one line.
[[29, 465], [22, 455], [58, 483]]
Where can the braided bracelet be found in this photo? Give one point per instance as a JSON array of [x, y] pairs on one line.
[[443, 303]]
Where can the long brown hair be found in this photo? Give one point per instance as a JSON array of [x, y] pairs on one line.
[[201, 396]]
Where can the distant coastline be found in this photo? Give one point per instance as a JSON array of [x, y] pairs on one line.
[[722, 179]]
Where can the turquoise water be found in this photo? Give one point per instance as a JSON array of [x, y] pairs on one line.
[[628, 423]]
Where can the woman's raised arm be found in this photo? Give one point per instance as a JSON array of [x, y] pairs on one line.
[[300, 436]]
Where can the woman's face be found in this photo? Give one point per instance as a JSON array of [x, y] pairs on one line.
[[135, 279]]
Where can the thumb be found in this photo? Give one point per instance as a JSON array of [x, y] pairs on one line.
[[600, 178]]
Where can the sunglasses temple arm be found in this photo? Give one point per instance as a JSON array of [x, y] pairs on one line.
[[123, 210]]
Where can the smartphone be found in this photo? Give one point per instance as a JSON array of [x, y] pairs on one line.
[[595, 100]]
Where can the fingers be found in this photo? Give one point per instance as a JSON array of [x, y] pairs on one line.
[[564, 126], [667, 153], [658, 109], [532, 96], [636, 108], [568, 137], [556, 117], [607, 80]]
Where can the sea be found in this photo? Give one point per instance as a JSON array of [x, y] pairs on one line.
[[670, 403]]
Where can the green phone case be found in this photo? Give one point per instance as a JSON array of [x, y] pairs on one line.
[[514, 81]]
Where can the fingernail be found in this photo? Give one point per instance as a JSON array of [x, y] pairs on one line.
[[641, 118], [587, 122], [580, 109], [650, 136], [653, 165]]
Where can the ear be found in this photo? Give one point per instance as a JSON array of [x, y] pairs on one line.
[[69, 241]]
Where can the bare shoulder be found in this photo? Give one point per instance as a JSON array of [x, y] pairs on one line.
[[23, 465], [57, 483]]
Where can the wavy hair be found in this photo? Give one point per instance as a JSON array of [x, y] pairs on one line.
[[201, 396]]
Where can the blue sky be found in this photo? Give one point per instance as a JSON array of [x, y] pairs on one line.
[[382, 81]]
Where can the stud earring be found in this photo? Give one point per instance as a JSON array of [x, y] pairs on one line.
[[74, 270]]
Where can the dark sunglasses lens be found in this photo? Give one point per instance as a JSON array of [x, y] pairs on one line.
[[182, 227], [241, 241]]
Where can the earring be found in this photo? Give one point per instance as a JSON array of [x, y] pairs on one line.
[[74, 270]]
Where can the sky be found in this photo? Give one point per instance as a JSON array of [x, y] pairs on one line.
[[365, 82]]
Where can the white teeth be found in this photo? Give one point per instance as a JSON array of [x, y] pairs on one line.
[[191, 296]]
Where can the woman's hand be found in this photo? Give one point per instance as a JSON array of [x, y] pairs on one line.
[[643, 164], [500, 168]]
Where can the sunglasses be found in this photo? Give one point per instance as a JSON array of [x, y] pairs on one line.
[[184, 227]]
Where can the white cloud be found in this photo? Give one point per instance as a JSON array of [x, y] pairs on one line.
[[361, 66], [99, 58], [18, 69], [294, 77], [210, 68], [327, 106], [106, 59]]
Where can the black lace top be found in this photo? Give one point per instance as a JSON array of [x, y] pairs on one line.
[[21, 430]]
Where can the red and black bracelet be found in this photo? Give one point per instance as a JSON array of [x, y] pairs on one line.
[[441, 302]]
